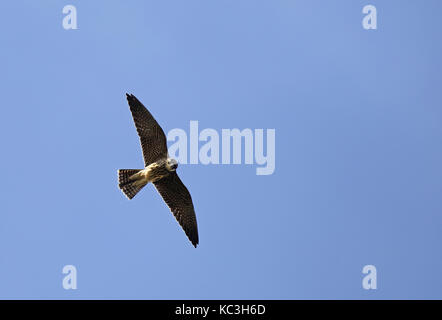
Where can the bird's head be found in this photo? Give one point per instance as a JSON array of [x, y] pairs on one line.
[[171, 164]]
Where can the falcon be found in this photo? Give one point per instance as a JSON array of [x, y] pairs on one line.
[[159, 169]]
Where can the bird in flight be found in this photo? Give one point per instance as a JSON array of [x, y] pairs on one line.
[[159, 169]]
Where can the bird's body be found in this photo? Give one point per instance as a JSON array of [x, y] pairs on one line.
[[159, 169], [152, 173]]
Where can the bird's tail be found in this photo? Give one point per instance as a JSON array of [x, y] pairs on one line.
[[128, 184]]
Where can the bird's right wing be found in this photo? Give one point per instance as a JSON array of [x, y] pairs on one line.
[[152, 137], [178, 198]]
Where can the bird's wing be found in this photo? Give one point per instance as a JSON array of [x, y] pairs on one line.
[[152, 137], [178, 198]]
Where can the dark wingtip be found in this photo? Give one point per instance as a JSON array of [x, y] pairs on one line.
[[131, 99], [194, 240]]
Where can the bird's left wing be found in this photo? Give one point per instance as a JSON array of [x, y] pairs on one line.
[[178, 198], [152, 137]]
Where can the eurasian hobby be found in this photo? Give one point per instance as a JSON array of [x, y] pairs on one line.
[[159, 169]]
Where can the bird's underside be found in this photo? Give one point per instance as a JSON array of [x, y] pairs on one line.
[[159, 169]]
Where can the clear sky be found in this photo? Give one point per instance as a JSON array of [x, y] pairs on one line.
[[358, 120]]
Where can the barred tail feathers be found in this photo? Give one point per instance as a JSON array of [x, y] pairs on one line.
[[128, 184]]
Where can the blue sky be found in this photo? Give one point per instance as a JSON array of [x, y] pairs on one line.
[[358, 176]]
